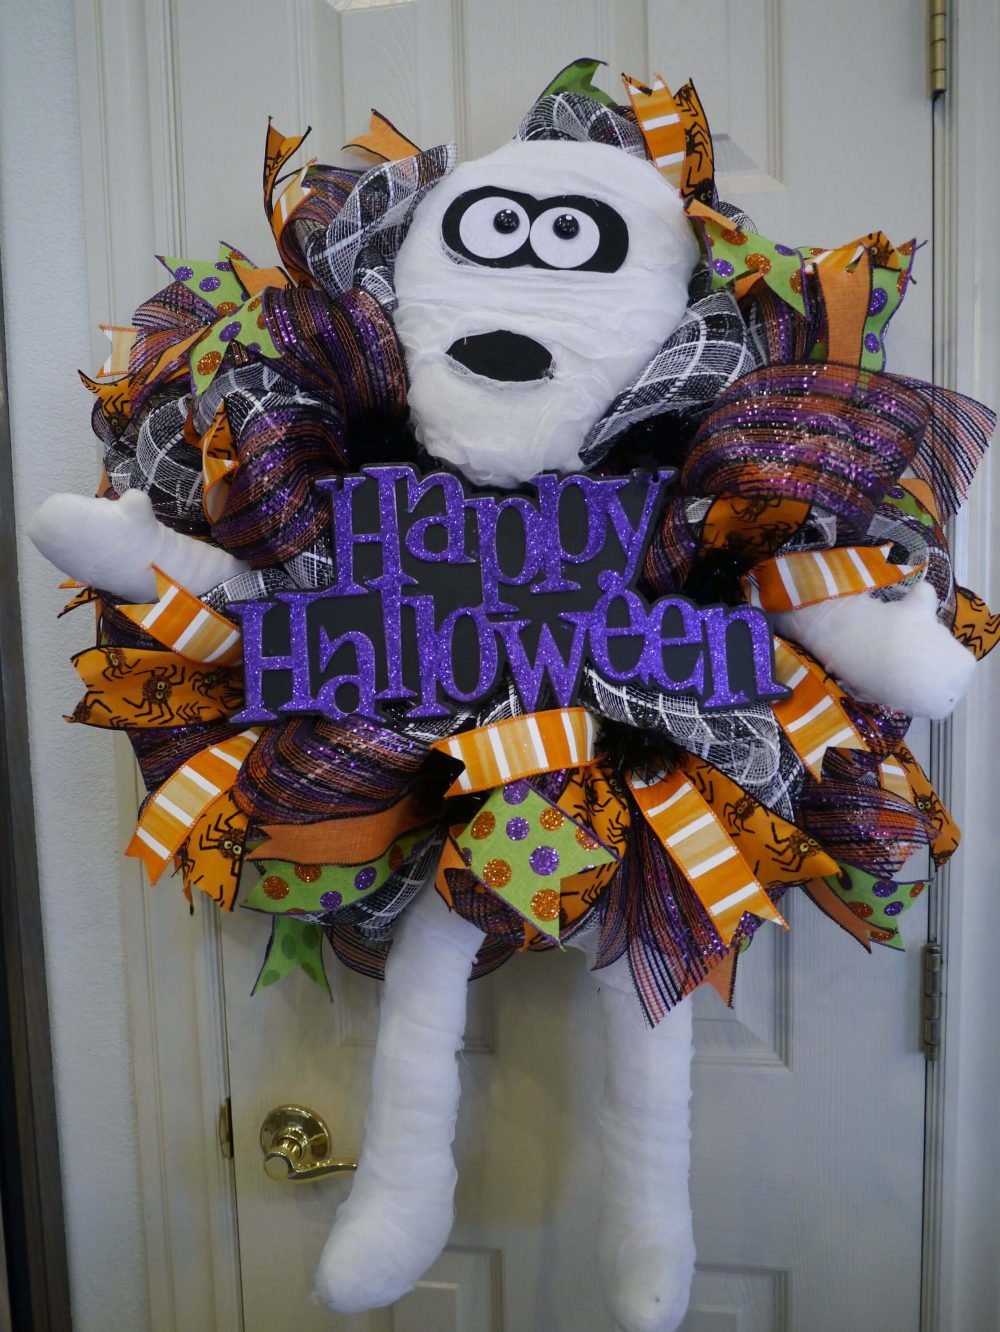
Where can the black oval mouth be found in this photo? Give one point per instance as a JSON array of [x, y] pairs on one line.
[[502, 355]]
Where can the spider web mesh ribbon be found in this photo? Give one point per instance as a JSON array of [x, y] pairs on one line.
[[707, 352], [364, 228], [573, 115]]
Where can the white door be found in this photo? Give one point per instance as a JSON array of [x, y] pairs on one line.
[[809, 1096]]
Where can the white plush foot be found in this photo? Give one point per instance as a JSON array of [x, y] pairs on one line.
[[399, 1215], [112, 545], [648, 1284], [370, 1260], [647, 1250], [897, 653]]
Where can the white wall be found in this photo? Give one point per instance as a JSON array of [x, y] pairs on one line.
[[48, 337]]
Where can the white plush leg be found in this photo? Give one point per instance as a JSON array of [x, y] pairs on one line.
[[399, 1215], [897, 653], [111, 545], [647, 1245]]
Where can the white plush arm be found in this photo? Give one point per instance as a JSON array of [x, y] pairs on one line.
[[112, 544], [897, 653], [399, 1214]]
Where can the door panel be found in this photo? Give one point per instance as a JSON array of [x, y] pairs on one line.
[[808, 1102]]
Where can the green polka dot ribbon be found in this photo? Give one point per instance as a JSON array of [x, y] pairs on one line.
[[317, 889], [296, 945], [878, 903], [239, 317], [734, 254], [521, 847], [908, 505]]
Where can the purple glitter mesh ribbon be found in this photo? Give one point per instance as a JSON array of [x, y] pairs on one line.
[[341, 365], [824, 434], [649, 914]]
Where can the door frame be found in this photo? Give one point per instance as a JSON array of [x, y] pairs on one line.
[[128, 92]]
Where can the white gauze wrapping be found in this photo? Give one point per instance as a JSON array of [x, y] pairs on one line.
[[600, 328], [647, 1250], [113, 544], [399, 1214], [896, 653]]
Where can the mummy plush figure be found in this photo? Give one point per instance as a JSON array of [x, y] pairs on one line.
[[548, 298]]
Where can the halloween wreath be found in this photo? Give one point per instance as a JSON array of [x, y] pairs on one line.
[[525, 536]]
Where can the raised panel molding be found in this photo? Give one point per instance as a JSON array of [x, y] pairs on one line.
[[462, 1292], [756, 1030], [733, 51], [738, 1299]]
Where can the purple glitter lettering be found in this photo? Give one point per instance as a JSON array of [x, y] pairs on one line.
[[718, 622]]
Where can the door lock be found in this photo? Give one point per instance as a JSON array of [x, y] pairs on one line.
[[296, 1146]]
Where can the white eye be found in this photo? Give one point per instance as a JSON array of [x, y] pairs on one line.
[[565, 237], [494, 227]]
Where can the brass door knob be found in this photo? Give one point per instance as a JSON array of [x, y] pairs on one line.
[[296, 1145]]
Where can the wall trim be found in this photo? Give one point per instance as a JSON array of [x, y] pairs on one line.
[[35, 1290], [962, 1203]]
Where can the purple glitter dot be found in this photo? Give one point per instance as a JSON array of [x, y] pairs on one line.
[[879, 301], [467, 854], [253, 346], [518, 829], [783, 249], [364, 878], [224, 267], [723, 267], [884, 888], [183, 272], [515, 792], [230, 331], [210, 283], [871, 342], [544, 860], [894, 908], [330, 901]]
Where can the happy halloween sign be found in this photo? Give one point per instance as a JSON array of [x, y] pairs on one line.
[[439, 592]]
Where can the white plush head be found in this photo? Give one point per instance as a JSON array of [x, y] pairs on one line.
[[533, 285]]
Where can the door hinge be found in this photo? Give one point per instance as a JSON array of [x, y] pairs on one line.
[[937, 47], [930, 1001], [226, 1129]]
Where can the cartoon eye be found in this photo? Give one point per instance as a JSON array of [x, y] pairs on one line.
[[493, 227], [565, 237]]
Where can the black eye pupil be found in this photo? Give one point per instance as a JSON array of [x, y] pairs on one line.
[[566, 226], [506, 220]]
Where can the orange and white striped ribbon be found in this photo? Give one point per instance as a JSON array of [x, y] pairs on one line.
[[520, 747], [660, 121], [806, 577], [893, 777], [703, 851], [174, 808], [122, 341], [811, 716], [183, 623]]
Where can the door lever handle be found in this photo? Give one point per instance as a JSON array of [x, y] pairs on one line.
[[296, 1146]]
